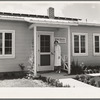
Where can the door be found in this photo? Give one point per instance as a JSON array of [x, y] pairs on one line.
[[45, 49]]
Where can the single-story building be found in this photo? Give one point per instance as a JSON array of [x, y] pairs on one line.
[[78, 40]]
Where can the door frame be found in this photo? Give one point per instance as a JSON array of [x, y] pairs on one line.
[[51, 67]]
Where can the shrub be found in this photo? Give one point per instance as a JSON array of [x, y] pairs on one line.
[[87, 78], [43, 79], [98, 84], [22, 66], [1, 76], [75, 68], [91, 69], [82, 78], [95, 70], [30, 72], [92, 81], [66, 85], [98, 71], [84, 67], [58, 84], [53, 82], [77, 77]]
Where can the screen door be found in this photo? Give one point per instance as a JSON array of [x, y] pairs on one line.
[[45, 49]]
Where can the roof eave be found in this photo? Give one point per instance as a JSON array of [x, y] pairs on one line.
[[50, 22], [12, 18], [88, 24]]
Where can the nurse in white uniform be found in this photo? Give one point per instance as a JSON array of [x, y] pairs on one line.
[[57, 62]]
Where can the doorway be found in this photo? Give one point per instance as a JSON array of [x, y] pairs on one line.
[[45, 50]]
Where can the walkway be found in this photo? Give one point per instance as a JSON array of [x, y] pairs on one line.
[[75, 83], [67, 79], [54, 75]]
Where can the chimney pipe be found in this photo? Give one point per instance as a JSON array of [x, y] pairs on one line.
[[51, 12]]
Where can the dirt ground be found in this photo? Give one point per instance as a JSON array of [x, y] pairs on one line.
[[23, 83]]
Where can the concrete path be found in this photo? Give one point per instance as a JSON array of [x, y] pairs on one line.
[[55, 75], [75, 83], [68, 79]]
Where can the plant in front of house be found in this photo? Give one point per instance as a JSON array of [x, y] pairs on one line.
[[98, 83], [67, 86], [82, 78], [92, 81], [88, 71], [76, 68], [30, 72], [22, 66], [92, 69], [23, 72], [77, 77], [30, 68], [53, 82]]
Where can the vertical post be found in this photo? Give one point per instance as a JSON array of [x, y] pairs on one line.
[[35, 50], [69, 56]]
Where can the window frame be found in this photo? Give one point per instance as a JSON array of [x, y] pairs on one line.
[[3, 56], [86, 44], [94, 53]]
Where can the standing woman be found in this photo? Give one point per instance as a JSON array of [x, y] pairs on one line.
[[57, 62]]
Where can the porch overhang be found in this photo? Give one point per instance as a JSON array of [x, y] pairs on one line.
[[50, 23], [54, 24]]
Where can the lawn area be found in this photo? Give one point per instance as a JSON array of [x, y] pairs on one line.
[[23, 83]]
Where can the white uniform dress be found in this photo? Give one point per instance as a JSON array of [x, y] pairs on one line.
[[57, 55]]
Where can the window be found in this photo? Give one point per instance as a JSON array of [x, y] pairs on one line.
[[96, 44], [80, 44], [7, 44]]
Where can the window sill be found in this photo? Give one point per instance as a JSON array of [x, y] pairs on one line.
[[96, 54], [80, 54], [7, 56]]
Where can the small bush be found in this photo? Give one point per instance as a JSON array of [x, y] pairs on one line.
[[22, 66], [53, 82], [43, 79], [75, 68], [98, 84], [92, 81], [82, 78], [30, 72], [67, 85], [92, 69], [59, 84], [77, 77], [88, 77]]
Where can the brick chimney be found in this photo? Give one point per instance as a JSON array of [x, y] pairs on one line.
[[51, 12]]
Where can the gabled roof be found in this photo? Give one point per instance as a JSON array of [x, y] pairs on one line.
[[37, 16]]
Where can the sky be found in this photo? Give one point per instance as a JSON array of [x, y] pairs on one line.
[[83, 10]]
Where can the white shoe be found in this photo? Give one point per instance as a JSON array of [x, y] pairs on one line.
[[59, 72]]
